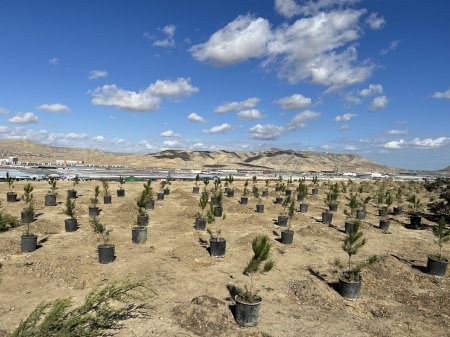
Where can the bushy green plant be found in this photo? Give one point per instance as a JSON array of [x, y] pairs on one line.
[[10, 180], [245, 192], [415, 204], [315, 180], [100, 313], [197, 179], [353, 204], [99, 229], [261, 252], [28, 198], [53, 186], [302, 189], [69, 209], [442, 234], [291, 212], [105, 185], [202, 203], [329, 201], [121, 182], [76, 180], [7, 221], [94, 200], [285, 204], [148, 189], [142, 202], [256, 194]]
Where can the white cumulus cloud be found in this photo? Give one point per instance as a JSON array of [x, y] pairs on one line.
[[345, 117], [427, 143], [169, 133], [24, 118], [172, 143], [53, 61], [300, 119], [373, 89], [223, 128], [194, 117], [350, 148], [291, 8], [266, 132], [294, 102], [94, 74], [444, 94], [57, 108], [173, 89], [237, 105], [375, 21], [250, 114], [344, 127], [396, 132], [168, 41], [98, 139], [378, 103]]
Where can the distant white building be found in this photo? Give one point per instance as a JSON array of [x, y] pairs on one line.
[[66, 162], [10, 160], [349, 174]]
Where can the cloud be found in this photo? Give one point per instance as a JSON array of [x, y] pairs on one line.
[[320, 48], [375, 21], [427, 143], [223, 128], [250, 114], [300, 119], [94, 74], [194, 117], [3, 111], [345, 117], [76, 136], [392, 46], [169, 133], [98, 139], [53, 61], [172, 143], [266, 132], [378, 103], [241, 39], [350, 148], [56, 108], [144, 100], [290, 8], [445, 94], [344, 127], [173, 89], [238, 105], [168, 41], [373, 89], [24, 118], [294, 102], [397, 132]]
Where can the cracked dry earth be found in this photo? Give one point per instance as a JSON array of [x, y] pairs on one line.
[[398, 298]]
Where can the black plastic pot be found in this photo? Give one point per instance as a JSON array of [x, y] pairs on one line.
[[196, 190], [166, 191], [265, 193], [260, 208], [247, 314], [28, 243], [333, 197], [70, 225], [27, 216], [288, 193], [327, 218], [50, 200], [282, 220], [200, 224], [72, 194], [217, 247], [215, 201], [333, 208], [244, 200], [315, 191], [107, 199], [120, 192], [160, 196], [226, 189], [106, 253], [277, 189], [382, 211], [300, 198], [384, 225], [416, 221], [398, 211], [142, 220], [279, 200], [230, 193], [287, 237], [436, 267], [360, 214], [11, 196], [139, 235], [218, 211], [150, 204], [93, 211], [349, 226], [303, 208], [348, 289]]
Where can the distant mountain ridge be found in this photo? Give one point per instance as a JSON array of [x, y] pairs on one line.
[[270, 159]]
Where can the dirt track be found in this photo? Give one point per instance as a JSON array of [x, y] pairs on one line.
[[398, 298]]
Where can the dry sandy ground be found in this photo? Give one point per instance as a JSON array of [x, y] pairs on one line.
[[398, 298]]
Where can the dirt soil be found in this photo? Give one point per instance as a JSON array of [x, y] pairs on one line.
[[299, 296]]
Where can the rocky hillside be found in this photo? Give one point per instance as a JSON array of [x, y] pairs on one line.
[[271, 159]]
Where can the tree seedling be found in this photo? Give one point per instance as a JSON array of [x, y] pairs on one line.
[[442, 235], [100, 229], [10, 180], [53, 186], [69, 209], [105, 185], [415, 204], [121, 182], [94, 200]]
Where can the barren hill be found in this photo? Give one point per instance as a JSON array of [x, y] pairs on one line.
[[270, 159]]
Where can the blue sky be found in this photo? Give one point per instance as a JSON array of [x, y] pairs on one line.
[[364, 77]]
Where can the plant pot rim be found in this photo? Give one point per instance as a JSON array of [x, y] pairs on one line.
[[70, 219], [287, 231], [342, 277], [434, 258], [139, 228], [106, 245], [283, 216], [31, 235], [217, 239], [239, 299], [11, 192]]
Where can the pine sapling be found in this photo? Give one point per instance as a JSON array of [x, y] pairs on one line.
[[10, 180], [442, 234], [69, 209], [353, 242], [100, 229], [105, 185], [94, 200], [53, 186]]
